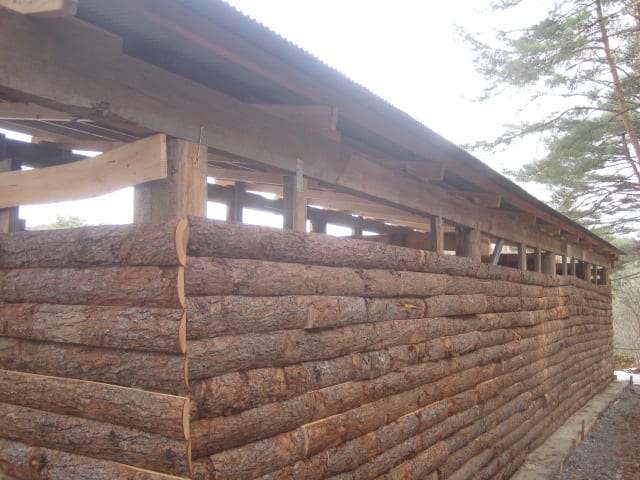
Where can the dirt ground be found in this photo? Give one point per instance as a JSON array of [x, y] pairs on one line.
[[611, 450]]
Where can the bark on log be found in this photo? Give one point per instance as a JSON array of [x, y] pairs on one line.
[[161, 372], [210, 238], [211, 357], [28, 462], [130, 328], [220, 276], [123, 286], [158, 245], [269, 454], [158, 413], [94, 439]]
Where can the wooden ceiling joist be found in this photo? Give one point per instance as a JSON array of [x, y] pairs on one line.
[[31, 111]]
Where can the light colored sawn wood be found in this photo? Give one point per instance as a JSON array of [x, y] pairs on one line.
[[134, 163], [42, 8]]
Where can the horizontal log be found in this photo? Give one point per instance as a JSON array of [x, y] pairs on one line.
[[210, 238], [166, 415], [272, 453], [216, 356], [378, 451], [106, 245], [161, 372], [124, 286], [95, 439], [130, 328], [30, 462]]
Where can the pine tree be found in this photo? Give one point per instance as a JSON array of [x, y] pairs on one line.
[[583, 60]]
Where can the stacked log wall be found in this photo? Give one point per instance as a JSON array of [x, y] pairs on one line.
[[315, 357], [93, 353]]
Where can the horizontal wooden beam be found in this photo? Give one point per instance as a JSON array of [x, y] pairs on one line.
[[198, 114], [42, 8], [486, 199], [426, 170], [134, 163], [39, 155], [319, 118], [31, 111]]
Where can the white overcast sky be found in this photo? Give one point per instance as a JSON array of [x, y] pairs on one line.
[[406, 51]]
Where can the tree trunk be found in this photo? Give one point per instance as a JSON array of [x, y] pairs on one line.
[[617, 87], [94, 439], [38, 463], [130, 328], [159, 245], [165, 415], [161, 372], [125, 286]]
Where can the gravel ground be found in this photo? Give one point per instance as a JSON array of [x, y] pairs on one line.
[[611, 450]]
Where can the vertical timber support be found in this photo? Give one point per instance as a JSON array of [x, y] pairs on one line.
[[565, 266], [549, 263], [183, 192], [234, 209], [572, 267], [295, 203], [586, 271], [604, 276], [469, 245], [436, 237], [522, 256], [9, 219], [497, 251], [537, 260], [318, 226]]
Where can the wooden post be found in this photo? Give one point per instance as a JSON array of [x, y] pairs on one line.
[[436, 238], [604, 276], [522, 256], [358, 226], [572, 265], [537, 259], [319, 226], [183, 192], [495, 256], [9, 218], [586, 271], [295, 203], [469, 243], [565, 266], [234, 209], [549, 263]]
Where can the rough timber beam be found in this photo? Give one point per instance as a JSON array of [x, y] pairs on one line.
[[42, 8], [31, 111], [184, 109], [138, 162]]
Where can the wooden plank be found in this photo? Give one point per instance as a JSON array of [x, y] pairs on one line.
[[220, 122], [495, 255], [319, 118], [159, 413], [130, 164], [437, 243], [427, 170], [180, 193], [31, 111], [42, 8]]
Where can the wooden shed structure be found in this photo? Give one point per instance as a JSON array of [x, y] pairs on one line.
[[460, 324]]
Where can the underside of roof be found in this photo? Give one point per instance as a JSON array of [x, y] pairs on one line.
[[219, 50]]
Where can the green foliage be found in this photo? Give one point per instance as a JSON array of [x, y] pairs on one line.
[[560, 65], [70, 221]]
